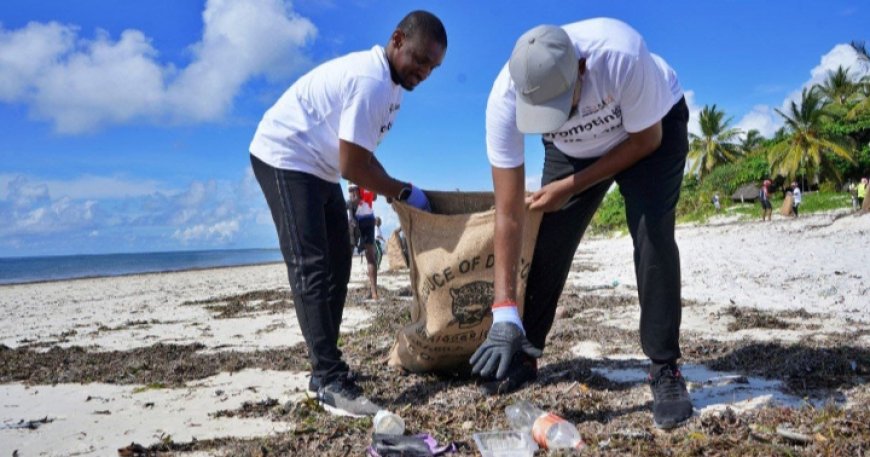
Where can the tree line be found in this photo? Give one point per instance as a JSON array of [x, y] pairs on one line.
[[825, 137]]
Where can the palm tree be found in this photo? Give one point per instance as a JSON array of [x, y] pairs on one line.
[[862, 99], [837, 88], [861, 49], [752, 140], [802, 150], [716, 143], [862, 89]]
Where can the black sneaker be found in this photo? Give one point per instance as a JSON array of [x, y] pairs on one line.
[[523, 369], [671, 402], [343, 397], [314, 382]]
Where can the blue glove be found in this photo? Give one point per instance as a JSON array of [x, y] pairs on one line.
[[418, 199], [503, 341]]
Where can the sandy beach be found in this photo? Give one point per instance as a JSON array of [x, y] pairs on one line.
[[214, 356]]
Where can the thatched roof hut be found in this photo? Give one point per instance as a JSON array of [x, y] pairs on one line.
[[746, 193]]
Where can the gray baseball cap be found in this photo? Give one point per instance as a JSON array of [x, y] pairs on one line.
[[543, 67]]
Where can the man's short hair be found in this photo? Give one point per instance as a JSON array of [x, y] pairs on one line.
[[423, 24]]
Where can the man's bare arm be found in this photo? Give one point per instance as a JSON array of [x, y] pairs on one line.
[[360, 166], [509, 186]]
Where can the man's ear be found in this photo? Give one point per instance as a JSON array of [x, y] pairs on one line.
[[398, 38]]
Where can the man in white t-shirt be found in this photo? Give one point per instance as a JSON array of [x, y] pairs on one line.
[[365, 219], [324, 127], [608, 110], [796, 195]]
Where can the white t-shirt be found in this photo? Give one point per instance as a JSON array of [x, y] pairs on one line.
[[625, 89], [796, 194], [351, 98]]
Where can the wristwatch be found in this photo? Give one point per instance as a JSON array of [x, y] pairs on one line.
[[404, 194]]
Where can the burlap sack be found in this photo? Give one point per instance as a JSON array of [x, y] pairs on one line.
[[394, 253], [787, 205], [451, 265]]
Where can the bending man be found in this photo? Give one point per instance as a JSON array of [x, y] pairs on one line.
[[608, 110], [324, 127]]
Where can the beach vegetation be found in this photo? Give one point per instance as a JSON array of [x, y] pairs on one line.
[[610, 216], [813, 202], [807, 146], [751, 141], [717, 144]]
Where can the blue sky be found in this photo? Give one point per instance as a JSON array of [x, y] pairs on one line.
[[125, 125]]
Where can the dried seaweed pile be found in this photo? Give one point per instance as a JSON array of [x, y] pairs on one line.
[[613, 418]]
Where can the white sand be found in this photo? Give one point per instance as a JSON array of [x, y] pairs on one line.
[[814, 263], [43, 312], [817, 262], [97, 419]]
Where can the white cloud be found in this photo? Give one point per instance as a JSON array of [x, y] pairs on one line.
[[83, 84], [88, 186], [204, 214], [761, 118], [767, 121], [841, 55], [27, 53], [29, 209], [533, 183], [694, 109], [219, 232], [389, 218], [241, 39], [99, 187]]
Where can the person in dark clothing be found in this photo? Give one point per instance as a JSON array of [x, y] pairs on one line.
[[608, 110], [325, 127]]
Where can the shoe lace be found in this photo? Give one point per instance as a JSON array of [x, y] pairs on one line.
[[669, 384]]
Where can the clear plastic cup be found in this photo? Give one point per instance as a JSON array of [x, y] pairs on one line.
[[388, 423]]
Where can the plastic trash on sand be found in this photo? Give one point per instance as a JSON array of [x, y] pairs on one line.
[[505, 444], [423, 445], [388, 423]]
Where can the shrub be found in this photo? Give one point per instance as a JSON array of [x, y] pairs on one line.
[[611, 214]]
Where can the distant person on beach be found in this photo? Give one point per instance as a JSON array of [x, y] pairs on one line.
[[796, 194], [352, 203], [380, 242], [379, 235], [862, 191], [853, 192], [365, 220], [764, 199], [324, 127], [607, 110], [716, 203]]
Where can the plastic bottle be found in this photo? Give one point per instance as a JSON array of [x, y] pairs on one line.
[[388, 423], [549, 430]]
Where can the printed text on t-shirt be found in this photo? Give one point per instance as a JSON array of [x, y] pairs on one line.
[[593, 121]]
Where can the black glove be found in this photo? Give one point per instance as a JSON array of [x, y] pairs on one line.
[[504, 340]]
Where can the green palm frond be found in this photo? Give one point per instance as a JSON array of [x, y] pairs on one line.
[[716, 144], [802, 149]]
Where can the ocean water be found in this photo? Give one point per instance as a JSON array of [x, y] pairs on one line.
[[31, 269]]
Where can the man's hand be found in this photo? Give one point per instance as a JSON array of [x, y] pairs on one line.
[[551, 197], [495, 354]]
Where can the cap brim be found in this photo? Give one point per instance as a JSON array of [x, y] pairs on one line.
[[544, 117]]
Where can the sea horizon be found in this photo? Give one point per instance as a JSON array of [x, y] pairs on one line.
[[33, 269]]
